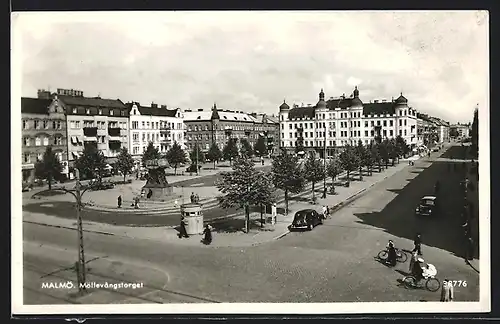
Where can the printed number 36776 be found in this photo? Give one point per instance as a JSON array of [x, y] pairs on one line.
[[456, 283]]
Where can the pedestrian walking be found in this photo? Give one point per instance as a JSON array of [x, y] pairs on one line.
[[418, 244], [192, 197], [413, 259], [150, 194], [136, 202], [196, 198], [182, 229], [447, 293], [120, 201], [262, 160], [207, 232], [324, 212], [327, 211]]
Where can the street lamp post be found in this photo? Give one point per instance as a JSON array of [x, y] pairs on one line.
[[324, 178]]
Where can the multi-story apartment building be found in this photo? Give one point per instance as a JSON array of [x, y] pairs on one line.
[[156, 124], [462, 130], [43, 125], [95, 121], [268, 127], [427, 130], [204, 127], [345, 120], [442, 129]]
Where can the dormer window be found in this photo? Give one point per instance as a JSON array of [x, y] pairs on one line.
[[87, 111], [73, 110], [111, 112], [100, 111]]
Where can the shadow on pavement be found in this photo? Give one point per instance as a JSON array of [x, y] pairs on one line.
[[443, 231]]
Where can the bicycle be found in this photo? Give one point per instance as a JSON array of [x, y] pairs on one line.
[[431, 283], [401, 255]]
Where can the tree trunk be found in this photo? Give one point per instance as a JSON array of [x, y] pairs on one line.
[[49, 179], [348, 175], [286, 202], [261, 217], [333, 185], [313, 190], [175, 169], [361, 173], [124, 177], [247, 219], [214, 164]]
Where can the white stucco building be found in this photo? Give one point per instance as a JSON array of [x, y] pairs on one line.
[[346, 120], [156, 124]]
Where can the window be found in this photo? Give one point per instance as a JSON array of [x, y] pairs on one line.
[[45, 124], [290, 126], [87, 111], [391, 123], [38, 141], [100, 111], [405, 132], [385, 123], [143, 125], [282, 135], [147, 125], [378, 122], [373, 123], [57, 140], [39, 156], [73, 110], [25, 124], [26, 141], [350, 133], [111, 112], [400, 133], [385, 132], [291, 134], [157, 137], [400, 122], [405, 122], [391, 133], [27, 158], [366, 133], [77, 124], [37, 124], [282, 127], [372, 133], [143, 137], [135, 137]]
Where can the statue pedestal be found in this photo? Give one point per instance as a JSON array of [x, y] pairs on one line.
[[159, 193], [157, 186]]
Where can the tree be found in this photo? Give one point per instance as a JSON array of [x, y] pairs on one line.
[[197, 156], [402, 148], [176, 156], [243, 187], [151, 153], [349, 160], [392, 150], [383, 149], [214, 154], [125, 162], [333, 169], [92, 163], [266, 195], [361, 153], [454, 132], [287, 175], [371, 157], [314, 171], [260, 147], [376, 155], [49, 168], [230, 151], [475, 134], [299, 146], [246, 148]]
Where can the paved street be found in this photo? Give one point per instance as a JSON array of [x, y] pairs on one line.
[[334, 262]]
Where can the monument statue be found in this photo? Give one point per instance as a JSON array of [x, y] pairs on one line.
[[157, 186]]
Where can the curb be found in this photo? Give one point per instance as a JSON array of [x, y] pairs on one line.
[[66, 227]]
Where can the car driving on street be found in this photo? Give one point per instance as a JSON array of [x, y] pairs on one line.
[[306, 219], [427, 206]]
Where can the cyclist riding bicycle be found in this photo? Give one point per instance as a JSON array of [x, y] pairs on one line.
[[418, 269], [392, 256]]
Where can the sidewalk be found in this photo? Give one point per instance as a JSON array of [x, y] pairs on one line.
[[228, 230]]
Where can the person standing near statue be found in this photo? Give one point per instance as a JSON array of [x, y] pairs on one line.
[[182, 230], [120, 201]]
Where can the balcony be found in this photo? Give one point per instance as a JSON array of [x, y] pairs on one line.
[[90, 131], [114, 145], [114, 132]]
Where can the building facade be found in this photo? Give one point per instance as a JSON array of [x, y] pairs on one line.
[[333, 123], [461, 130], [43, 125], [159, 125], [427, 130], [204, 127], [102, 123]]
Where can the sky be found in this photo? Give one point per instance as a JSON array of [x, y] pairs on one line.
[[252, 61]]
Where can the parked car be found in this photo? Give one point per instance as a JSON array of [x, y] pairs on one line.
[[103, 185], [306, 219], [428, 206]]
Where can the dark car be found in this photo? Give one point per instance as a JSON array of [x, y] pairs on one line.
[[306, 219], [428, 206]]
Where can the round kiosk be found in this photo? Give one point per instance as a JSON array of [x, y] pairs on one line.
[[192, 215]]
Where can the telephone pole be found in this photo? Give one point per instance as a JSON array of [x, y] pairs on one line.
[[81, 252]]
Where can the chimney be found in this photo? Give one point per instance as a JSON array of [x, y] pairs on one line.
[[153, 105], [375, 101], [164, 106], [200, 109], [43, 94], [188, 110]]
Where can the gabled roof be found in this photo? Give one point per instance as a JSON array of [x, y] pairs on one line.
[[379, 108], [152, 111], [91, 102], [35, 105]]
